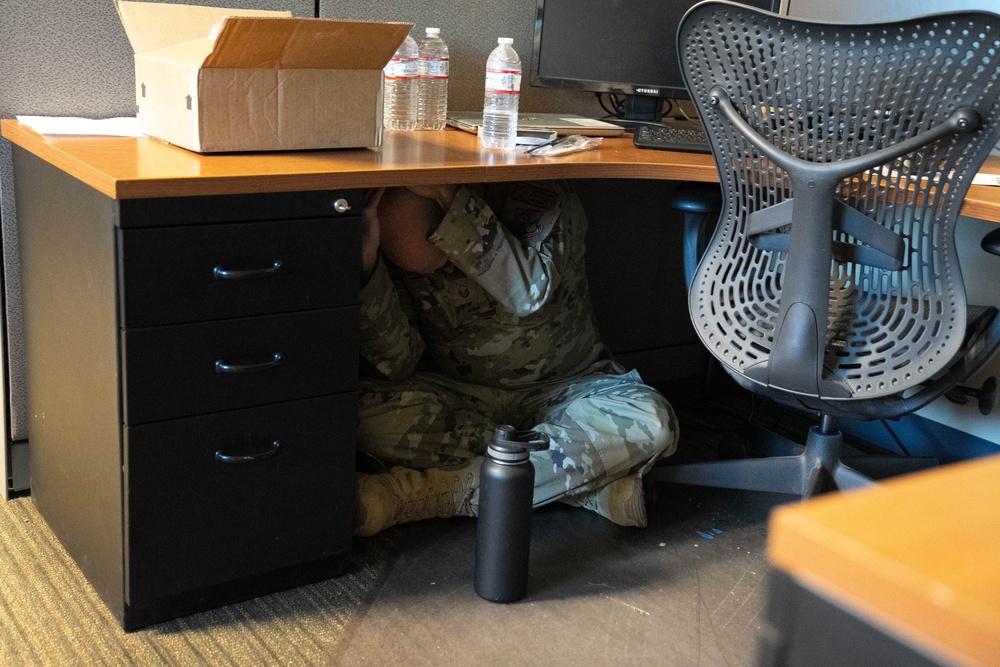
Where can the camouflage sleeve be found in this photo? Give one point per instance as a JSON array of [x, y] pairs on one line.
[[389, 340], [516, 261]]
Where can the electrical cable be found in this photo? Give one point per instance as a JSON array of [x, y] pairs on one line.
[[611, 112], [899, 443], [668, 106]]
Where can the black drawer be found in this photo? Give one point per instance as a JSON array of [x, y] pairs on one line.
[[246, 207], [191, 369], [194, 521], [171, 275]]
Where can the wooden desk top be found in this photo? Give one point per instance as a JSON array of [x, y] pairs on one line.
[[127, 168], [920, 554]]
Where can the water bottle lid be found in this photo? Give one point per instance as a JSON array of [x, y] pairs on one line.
[[432, 32], [505, 40], [509, 439], [507, 456]]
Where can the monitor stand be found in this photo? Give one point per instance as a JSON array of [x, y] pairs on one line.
[[640, 110]]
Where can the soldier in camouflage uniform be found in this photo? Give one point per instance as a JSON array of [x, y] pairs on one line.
[[476, 313]]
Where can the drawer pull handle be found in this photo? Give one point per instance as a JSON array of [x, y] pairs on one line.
[[222, 457], [241, 274], [222, 367]]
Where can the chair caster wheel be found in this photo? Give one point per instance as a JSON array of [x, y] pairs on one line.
[[986, 396]]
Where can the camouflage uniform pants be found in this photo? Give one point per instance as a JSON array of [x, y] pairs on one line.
[[602, 426]]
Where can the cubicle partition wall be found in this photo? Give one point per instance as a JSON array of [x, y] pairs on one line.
[[470, 28], [56, 58]]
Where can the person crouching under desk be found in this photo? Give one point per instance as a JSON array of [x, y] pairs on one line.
[[475, 312]]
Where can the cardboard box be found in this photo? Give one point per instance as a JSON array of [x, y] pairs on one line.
[[216, 80]]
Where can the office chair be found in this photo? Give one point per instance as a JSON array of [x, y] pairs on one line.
[[831, 283], [700, 203]]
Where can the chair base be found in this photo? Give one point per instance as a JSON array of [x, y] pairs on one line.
[[816, 468]]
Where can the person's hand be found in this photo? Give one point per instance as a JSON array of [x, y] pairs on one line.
[[370, 234], [406, 219], [444, 195]]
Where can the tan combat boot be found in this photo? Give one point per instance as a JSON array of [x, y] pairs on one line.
[[403, 495], [622, 501]]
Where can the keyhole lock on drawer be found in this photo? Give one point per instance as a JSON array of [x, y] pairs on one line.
[[341, 206]]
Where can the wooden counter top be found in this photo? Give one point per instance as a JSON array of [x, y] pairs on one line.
[[919, 554], [128, 168]]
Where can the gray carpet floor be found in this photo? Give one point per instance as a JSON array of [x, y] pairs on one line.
[[50, 615]]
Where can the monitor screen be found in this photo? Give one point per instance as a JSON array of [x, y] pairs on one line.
[[622, 47]]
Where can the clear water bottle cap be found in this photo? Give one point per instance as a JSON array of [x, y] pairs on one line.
[[432, 32], [505, 40]]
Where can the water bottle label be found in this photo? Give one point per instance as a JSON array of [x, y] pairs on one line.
[[435, 68], [402, 68], [503, 81]]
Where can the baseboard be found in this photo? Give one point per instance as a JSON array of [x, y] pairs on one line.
[[20, 478], [923, 437]]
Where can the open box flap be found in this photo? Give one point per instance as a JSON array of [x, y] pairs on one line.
[[298, 43], [152, 26]]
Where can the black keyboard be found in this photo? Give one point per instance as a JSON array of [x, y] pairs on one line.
[[666, 138]]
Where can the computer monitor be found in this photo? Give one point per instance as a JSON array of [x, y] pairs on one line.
[[622, 47]]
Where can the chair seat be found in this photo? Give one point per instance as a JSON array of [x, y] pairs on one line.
[[982, 341]]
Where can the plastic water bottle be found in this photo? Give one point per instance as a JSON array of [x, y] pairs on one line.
[[432, 107], [503, 530], [503, 88], [400, 93]]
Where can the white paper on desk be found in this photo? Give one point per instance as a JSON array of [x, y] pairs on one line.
[[979, 179], [106, 127], [986, 179], [586, 122]]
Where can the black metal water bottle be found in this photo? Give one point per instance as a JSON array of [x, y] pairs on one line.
[[503, 533]]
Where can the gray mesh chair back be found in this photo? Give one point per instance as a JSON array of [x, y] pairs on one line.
[[844, 151]]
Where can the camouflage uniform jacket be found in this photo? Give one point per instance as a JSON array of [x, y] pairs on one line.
[[509, 309]]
